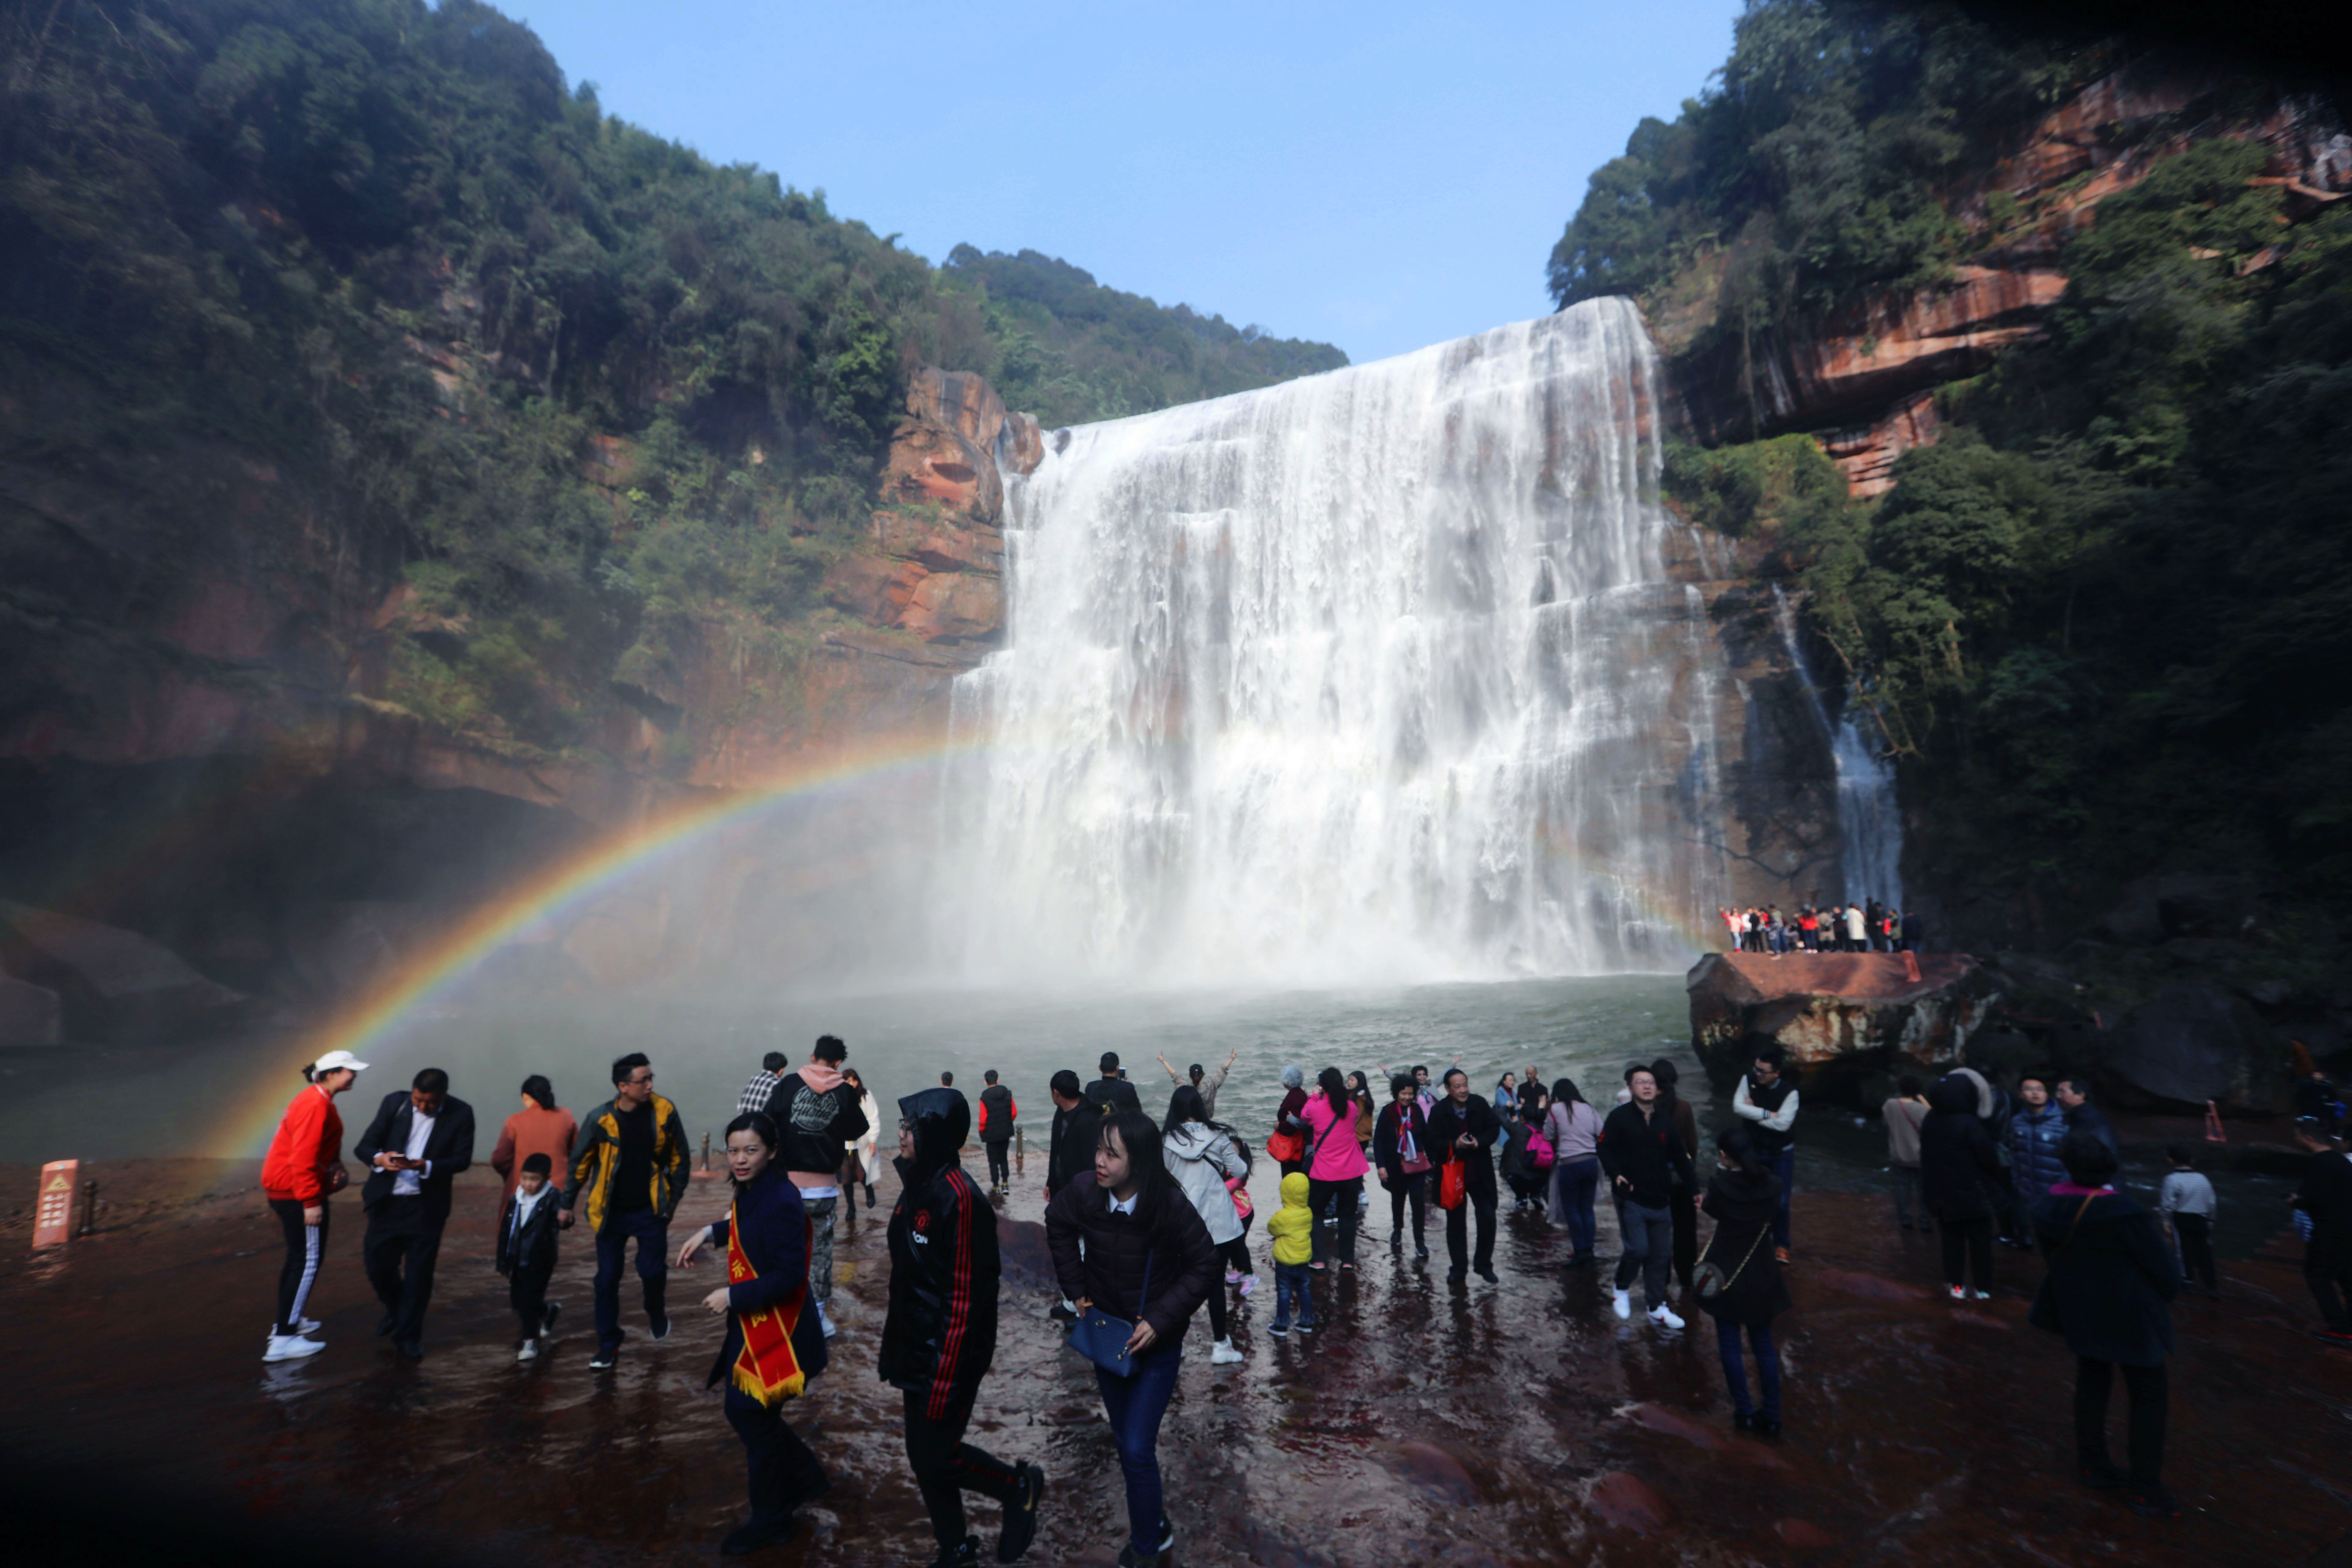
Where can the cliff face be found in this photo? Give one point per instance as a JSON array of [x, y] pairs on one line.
[[1863, 382]]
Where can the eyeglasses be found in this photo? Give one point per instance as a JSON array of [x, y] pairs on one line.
[[641, 1082]]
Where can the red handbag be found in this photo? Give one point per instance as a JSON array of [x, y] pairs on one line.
[[1452, 1185], [1284, 1148]]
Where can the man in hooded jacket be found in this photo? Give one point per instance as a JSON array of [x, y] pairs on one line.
[[941, 1335], [817, 1115]]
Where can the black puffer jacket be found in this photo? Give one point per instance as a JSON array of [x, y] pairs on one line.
[[1743, 1208], [1183, 1263], [941, 1334], [1959, 1170]]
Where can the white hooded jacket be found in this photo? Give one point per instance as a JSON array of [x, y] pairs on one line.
[[1200, 1157]]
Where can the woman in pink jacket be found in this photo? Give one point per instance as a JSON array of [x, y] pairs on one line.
[[1335, 1163]]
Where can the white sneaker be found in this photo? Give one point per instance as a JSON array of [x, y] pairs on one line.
[[825, 1320], [1664, 1316], [1622, 1300], [1224, 1354], [530, 1351], [290, 1347], [1981, 1295]]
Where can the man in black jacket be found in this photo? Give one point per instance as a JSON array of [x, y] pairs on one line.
[[1463, 1127], [941, 1335], [817, 1115], [997, 1110], [1069, 1148], [1110, 1092], [1643, 1158], [2325, 1195], [418, 1141]]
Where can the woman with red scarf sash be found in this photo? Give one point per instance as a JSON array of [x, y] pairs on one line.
[[773, 1344]]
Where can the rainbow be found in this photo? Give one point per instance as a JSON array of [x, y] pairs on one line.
[[365, 1029]]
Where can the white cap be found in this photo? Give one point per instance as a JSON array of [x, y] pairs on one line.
[[335, 1061]]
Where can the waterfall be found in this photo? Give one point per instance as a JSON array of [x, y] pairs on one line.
[[1371, 677], [1870, 825]]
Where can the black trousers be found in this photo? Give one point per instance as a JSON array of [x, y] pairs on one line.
[[2328, 1269], [2094, 1381], [527, 1294], [402, 1247], [946, 1467], [1413, 1189], [1968, 1243], [306, 1246], [1237, 1252], [1684, 1207], [1481, 1197], [2196, 1234], [1320, 1197], [784, 1473], [1000, 1164]]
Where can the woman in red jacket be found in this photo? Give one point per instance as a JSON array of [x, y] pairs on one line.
[[304, 1164]]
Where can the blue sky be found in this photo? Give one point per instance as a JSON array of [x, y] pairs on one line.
[[1379, 177]]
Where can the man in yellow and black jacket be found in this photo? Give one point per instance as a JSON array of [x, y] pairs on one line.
[[628, 1175]]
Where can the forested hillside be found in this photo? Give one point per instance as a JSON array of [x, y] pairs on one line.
[[583, 393], [2097, 618]]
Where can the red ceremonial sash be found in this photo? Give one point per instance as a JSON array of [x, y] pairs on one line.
[[766, 1370]]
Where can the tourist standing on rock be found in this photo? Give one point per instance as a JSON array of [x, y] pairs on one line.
[[303, 1166], [1904, 1112], [1574, 1129], [1767, 1098], [1960, 1177], [858, 1169], [773, 1344], [2035, 1134], [1124, 1239], [1290, 1122], [628, 1175], [2325, 1194], [997, 1110], [941, 1335], [1335, 1166], [1857, 934], [1915, 932], [527, 1246], [1645, 1158], [1201, 1078], [415, 1146], [2109, 1291], [762, 1087], [1112, 1091], [1741, 1197], [1201, 1157], [1684, 1202], [2186, 1203], [541, 1127], [1400, 1154], [1463, 1131], [2082, 1116], [816, 1112]]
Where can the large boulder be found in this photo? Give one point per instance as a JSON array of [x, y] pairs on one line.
[[1837, 1016], [2195, 1042], [116, 985], [30, 1015]]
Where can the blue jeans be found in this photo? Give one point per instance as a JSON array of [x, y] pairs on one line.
[[1293, 1283], [1783, 1165], [1768, 1368], [1134, 1405], [1573, 1181], [652, 1234], [1648, 1234]]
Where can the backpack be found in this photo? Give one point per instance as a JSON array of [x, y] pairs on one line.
[[1539, 1152]]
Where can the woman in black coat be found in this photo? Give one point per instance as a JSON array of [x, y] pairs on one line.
[[2109, 1290], [1147, 1259], [1401, 1138], [1959, 1176], [1743, 1199]]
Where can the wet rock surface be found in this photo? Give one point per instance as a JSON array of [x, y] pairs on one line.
[[1518, 1424], [1834, 1013]]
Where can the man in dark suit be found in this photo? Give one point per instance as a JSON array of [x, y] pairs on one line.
[[418, 1141]]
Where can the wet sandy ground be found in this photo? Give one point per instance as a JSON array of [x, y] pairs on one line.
[[1420, 1424]]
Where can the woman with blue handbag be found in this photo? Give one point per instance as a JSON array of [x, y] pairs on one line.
[[1147, 1266]]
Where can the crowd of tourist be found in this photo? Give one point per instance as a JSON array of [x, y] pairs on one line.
[[1867, 927], [1144, 1215]]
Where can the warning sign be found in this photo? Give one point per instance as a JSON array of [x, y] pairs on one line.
[[53, 1214]]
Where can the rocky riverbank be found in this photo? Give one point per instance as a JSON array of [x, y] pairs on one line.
[[1517, 1425]]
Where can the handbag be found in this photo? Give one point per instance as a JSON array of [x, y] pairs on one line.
[[1452, 1185], [1284, 1147], [1419, 1160], [1241, 1207], [1709, 1280], [1102, 1339]]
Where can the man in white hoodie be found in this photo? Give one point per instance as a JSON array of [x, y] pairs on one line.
[[816, 1113]]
